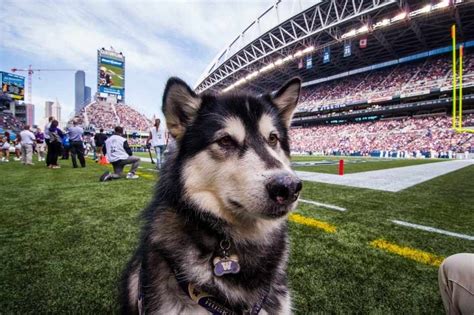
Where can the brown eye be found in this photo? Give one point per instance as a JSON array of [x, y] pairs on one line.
[[225, 141], [273, 139]]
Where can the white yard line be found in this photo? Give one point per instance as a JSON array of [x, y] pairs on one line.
[[323, 205], [435, 230]]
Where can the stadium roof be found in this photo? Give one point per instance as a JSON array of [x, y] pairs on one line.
[[265, 55]]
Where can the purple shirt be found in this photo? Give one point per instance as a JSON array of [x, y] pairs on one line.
[[39, 137]]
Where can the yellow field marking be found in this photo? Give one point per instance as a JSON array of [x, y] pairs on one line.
[[145, 175], [408, 252], [312, 223]]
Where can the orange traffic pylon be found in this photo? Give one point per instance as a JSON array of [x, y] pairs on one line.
[[103, 160]]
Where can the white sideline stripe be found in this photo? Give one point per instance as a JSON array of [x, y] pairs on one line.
[[324, 205], [435, 230]]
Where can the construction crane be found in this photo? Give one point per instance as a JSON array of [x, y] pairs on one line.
[[30, 72]]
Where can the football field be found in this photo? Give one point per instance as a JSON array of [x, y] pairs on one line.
[[65, 238]]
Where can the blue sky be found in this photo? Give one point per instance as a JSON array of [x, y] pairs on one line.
[[158, 38]]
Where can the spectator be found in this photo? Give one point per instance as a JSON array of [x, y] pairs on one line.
[[99, 140], [158, 139], [119, 154], [55, 140], [27, 141], [47, 140], [5, 147], [76, 134], [40, 144]]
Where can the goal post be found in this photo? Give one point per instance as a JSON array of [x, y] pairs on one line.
[[457, 121]]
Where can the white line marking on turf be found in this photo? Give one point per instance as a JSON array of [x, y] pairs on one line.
[[435, 230], [324, 205]]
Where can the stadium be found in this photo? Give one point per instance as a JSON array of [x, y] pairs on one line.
[[382, 136]]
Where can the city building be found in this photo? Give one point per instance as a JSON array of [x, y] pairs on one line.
[[79, 90], [87, 95], [30, 114]]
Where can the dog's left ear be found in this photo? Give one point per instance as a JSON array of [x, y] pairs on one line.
[[286, 99], [180, 106]]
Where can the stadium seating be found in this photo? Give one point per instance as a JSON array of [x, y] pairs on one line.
[[106, 115], [9, 122], [402, 79], [409, 136]]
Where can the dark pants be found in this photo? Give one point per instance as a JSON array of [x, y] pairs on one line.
[[77, 149], [55, 149], [48, 154], [119, 165]]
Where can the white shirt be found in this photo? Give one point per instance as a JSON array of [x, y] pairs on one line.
[[114, 148], [27, 137], [46, 131], [157, 137]]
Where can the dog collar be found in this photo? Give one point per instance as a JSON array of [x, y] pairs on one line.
[[210, 303]]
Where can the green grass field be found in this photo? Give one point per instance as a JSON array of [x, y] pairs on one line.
[[65, 238], [361, 165]]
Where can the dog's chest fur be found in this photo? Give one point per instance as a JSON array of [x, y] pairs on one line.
[[190, 244]]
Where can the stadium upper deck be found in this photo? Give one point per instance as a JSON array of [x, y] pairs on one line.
[[277, 45]]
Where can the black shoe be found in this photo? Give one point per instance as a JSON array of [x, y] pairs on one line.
[[105, 177]]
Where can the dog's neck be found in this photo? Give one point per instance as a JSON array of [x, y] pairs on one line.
[[240, 230]]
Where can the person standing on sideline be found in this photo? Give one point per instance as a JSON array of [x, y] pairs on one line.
[[40, 145], [46, 140], [99, 139], [27, 139], [55, 140], [75, 134], [158, 139], [119, 154]]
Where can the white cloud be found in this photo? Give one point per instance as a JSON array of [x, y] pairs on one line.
[[158, 38]]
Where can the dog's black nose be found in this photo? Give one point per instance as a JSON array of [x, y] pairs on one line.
[[284, 188]]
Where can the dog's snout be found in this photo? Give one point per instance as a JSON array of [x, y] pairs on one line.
[[284, 188]]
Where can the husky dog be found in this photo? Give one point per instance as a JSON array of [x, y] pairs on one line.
[[215, 238]]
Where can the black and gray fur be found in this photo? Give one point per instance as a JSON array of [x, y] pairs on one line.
[[181, 233]]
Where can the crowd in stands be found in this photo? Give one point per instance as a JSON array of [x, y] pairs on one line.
[[408, 136], [402, 79], [10, 122], [106, 115], [131, 119]]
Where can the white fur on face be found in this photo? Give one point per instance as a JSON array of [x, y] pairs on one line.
[[235, 128]]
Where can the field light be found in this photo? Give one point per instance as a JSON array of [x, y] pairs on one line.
[[398, 17], [267, 67], [299, 53], [426, 8], [308, 49], [288, 58], [279, 62], [363, 29]]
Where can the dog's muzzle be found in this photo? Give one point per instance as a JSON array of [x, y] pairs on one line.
[[284, 188]]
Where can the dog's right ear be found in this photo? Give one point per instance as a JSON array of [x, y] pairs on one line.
[[180, 106]]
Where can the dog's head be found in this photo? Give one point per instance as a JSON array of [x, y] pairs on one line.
[[233, 150]]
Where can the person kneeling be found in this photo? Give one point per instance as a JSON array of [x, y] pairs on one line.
[[119, 154]]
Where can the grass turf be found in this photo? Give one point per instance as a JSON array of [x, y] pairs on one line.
[[362, 165], [65, 238]]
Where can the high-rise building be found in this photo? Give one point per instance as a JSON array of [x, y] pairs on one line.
[[48, 109], [30, 114], [56, 110], [87, 95], [79, 88]]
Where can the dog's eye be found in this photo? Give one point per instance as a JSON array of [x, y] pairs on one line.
[[225, 141], [273, 139]]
